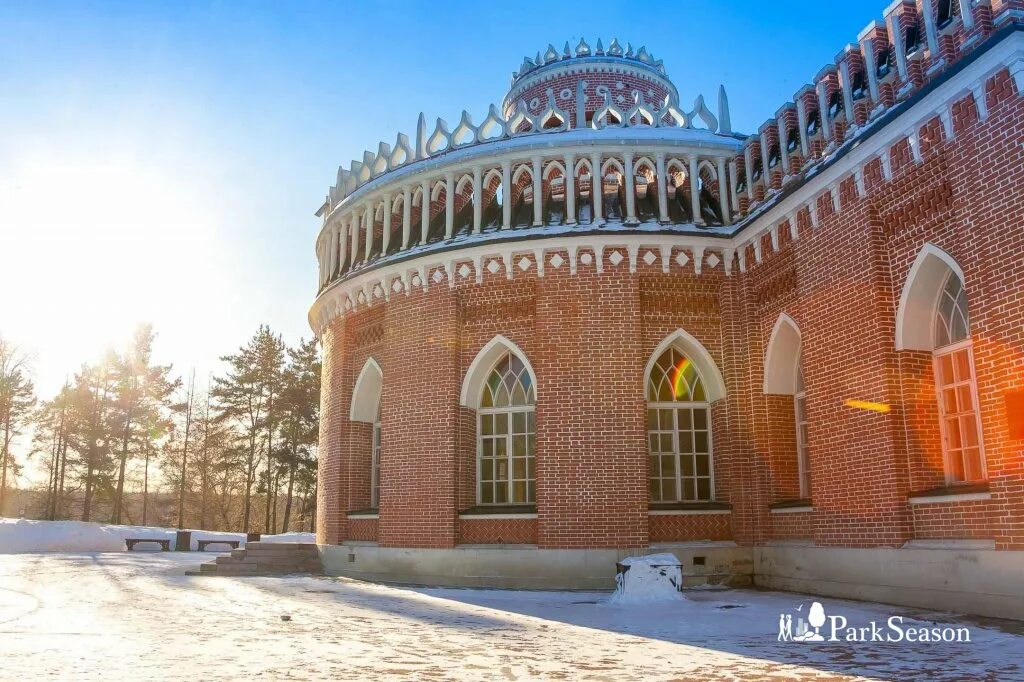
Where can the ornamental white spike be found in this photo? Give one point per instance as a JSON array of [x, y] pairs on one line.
[[724, 119], [551, 55], [629, 49], [600, 47], [566, 53], [582, 49], [421, 137], [615, 49]]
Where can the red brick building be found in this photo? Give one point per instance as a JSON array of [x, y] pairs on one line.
[[600, 322]]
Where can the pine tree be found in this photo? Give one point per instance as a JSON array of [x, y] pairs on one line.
[[17, 400]]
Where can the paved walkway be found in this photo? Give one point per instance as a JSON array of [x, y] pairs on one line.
[[137, 616]]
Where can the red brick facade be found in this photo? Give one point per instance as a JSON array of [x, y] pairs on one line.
[[838, 266]]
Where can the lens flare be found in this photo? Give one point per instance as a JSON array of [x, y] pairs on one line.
[[679, 385], [867, 405]]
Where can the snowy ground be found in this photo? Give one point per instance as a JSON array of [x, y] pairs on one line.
[[127, 615], [24, 535]]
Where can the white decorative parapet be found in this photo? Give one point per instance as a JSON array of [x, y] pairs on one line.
[[496, 126]]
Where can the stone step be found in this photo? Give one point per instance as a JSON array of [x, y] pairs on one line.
[[284, 552], [238, 553], [228, 560], [280, 545]]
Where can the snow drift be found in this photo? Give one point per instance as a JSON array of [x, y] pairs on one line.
[[19, 536], [651, 578]]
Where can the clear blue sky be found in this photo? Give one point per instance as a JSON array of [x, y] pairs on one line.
[[162, 161]]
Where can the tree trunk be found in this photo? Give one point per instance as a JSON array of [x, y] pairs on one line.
[[119, 494], [58, 507], [87, 504], [145, 488], [184, 453], [3, 456], [288, 499]]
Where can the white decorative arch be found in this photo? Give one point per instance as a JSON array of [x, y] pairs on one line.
[[476, 375], [915, 316], [397, 204], [709, 167], [782, 357], [552, 167], [612, 162], [378, 213], [435, 192], [493, 174], [677, 166], [519, 171], [463, 181], [644, 162], [366, 394], [417, 197], [581, 164], [702, 361]]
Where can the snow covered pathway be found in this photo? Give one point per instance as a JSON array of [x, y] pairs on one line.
[[137, 616]]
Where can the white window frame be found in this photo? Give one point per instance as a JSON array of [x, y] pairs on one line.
[[803, 455], [968, 345], [375, 464], [510, 411], [706, 406]]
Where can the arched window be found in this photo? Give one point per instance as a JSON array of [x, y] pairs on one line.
[[375, 463], [954, 381], [678, 431], [506, 466], [803, 458]]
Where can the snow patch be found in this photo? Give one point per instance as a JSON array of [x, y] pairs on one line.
[[650, 578], [18, 536]]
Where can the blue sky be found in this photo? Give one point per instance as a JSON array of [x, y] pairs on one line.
[[162, 161]]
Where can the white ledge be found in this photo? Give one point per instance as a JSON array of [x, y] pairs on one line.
[[686, 512], [950, 543], [939, 499], [792, 510], [489, 517]]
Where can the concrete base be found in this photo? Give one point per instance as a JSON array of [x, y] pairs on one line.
[[946, 577], [527, 567], [975, 581]]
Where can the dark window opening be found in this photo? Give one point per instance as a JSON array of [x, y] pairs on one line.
[[756, 175], [882, 64], [858, 86], [944, 14], [792, 140], [741, 183], [773, 157], [813, 124], [912, 39], [835, 105]]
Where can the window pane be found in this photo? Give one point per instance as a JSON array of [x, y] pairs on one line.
[[486, 424], [961, 365], [668, 466], [685, 442], [519, 446], [964, 402], [687, 464], [519, 422], [949, 400], [700, 441], [945, 370], [969, 430], [700, 419], [666, 420], [531, 490], [501, 423], [972, 459], [698, 392], [655, 466], [652, 420], [487, 469], [689, 490], [685, 419], [652, 442], [956, 463], [486, 494], [668, 489], [519, 491], [702, 465], [665, 443], [704, 489], [501, 494], [487, 447], [953, 433], [501, 469], [531, 421], [519, 468]]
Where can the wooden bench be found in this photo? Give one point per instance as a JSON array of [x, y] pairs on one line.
[[203, 544], [165, 545]]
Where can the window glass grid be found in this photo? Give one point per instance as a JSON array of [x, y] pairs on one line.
[[803, 459], [958, 415], [506, 467], [375, 466]]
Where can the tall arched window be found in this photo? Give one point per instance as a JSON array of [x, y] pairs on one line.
[[803, 458], [957, 391], [375, 463], [678, 431], [506, 467]]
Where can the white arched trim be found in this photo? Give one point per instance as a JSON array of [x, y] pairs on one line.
[[483, 363], [706, 165], [435, 192], [643, 162], [552, 167], [583, 164], [397, 204], [614, 164], [417, 197], [782, 358], [520, 171], [915, 316], [460, 186], [492, 175], [676, 166], [699, 356], [366, 394]]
